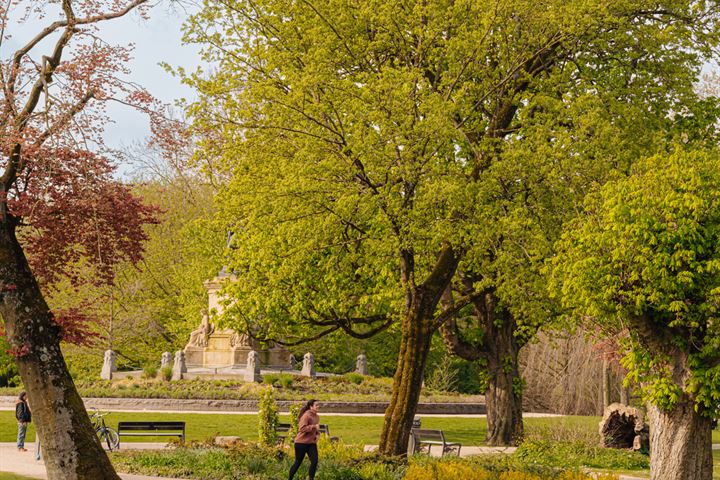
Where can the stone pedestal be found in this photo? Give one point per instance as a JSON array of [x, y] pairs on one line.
[[209, 347]]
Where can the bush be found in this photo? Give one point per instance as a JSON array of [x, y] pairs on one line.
[[271, 378], [166, 373], [268, 418], [150, 371], [579, 454], [355, 378], [294, 421], [285, 380]]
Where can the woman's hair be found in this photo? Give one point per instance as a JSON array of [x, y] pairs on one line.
[[306, 407], [22, 396]]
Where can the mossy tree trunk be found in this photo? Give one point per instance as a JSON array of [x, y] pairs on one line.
[[419, 323], [503, 395], [72, 451], [499, 349]]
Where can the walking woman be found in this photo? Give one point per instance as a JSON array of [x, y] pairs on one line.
[[307, 438], [23, 417]]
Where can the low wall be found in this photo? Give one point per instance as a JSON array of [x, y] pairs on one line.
[[171, 405]]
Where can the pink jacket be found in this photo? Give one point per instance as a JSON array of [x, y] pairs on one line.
[[308, 428]]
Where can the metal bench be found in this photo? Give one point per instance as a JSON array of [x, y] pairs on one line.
[[282, 430], [325, 430], [425, 439], [152, 429]]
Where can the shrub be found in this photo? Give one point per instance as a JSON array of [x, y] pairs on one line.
[[294, 421], [268, 418], [446, 471], [285, 380], [271, 378], [150, 371], [355, 378], [579, 454], [166, 373]]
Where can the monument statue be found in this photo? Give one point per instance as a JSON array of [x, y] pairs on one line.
[[179, 366], [252, 370], [210, 347], [165, 360], [308, 369], [108, 365], [361, 364]]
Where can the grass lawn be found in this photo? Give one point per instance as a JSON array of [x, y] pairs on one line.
[[365, 430], [12, 476]]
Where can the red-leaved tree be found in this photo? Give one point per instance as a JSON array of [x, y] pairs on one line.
[[59, 204]]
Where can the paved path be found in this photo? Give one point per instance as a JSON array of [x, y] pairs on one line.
[[24, 463]]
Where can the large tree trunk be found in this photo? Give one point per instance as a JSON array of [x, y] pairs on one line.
[[503, 396], [418, 326], [70, 447], [407, 383], [680, 443]]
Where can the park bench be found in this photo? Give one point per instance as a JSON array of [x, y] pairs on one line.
[[282, 430], [425, 439], [152, 429]]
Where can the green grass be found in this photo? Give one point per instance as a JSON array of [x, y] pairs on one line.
[[13, 476]]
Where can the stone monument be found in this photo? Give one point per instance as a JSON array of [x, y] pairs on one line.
[[252, 370], [361, 364], [108, 365], [211, 347], [179, 366], [308, 369], [166, 360]]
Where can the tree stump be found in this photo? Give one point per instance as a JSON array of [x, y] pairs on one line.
[[624, 427]]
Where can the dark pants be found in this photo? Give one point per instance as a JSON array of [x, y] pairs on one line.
[[300, 450]]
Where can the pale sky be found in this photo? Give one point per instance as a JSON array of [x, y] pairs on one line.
[[156, 40]]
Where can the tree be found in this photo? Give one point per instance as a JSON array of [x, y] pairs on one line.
[[375, 150], [59, 204], [645, 257]]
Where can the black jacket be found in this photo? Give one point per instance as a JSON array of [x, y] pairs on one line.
[[22, 412]]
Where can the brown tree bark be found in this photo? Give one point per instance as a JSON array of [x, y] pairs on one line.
[[500, 349], [680, 443], [72, 450], [418, 326], [503, 396], [407, 383]]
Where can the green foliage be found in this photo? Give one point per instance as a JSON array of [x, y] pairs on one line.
[[9, 374], [166, 373], [271, 378], [355, 378], [580, 454], [646, 257], [443, 377], [294, 413], [150, 371], [268, 418]]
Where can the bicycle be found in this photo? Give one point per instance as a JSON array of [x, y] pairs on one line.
[[107, 435]]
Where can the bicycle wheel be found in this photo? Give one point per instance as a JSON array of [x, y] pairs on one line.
[[109, 438]]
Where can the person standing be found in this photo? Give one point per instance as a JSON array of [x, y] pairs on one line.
[[23, 417], [307, 438]]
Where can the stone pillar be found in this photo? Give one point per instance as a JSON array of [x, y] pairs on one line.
[[108, 365], [252, 370], [361, 364], [179, 366], [166, 360], [308, 369]]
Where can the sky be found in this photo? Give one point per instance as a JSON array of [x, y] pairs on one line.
[[156, 40]]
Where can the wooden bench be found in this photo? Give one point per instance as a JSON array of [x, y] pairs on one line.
[[425, 439], [282, 430], [325, 430], [152, 429]]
